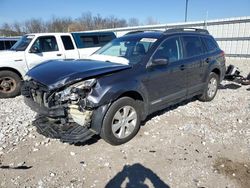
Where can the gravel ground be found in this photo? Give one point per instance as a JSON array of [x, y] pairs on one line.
[[193, 144]]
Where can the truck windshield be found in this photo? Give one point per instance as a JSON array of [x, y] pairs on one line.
[[131, 48], [22, 43]]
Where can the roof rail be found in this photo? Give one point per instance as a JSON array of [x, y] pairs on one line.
[[203, 31], [141, 31]]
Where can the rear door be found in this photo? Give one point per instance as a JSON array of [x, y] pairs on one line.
[[213, 53], [70, 49], [166, 83], [48, 49], [194, 54]]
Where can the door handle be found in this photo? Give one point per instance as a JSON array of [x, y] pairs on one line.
[[18, 60], [58, 54], [182, 67]]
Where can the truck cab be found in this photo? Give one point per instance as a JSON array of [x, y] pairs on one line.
[[35, 48]]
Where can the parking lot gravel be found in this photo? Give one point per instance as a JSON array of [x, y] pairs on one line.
[[192, 144]]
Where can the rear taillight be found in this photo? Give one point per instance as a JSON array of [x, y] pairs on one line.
[[223, 57], [222, 53]]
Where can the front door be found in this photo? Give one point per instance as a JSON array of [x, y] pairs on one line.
[[166, 83], [44, 48]]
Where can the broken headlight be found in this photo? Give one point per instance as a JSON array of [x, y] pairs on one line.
[[76, 91]]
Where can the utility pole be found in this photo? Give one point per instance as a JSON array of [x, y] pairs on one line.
[[206, 19], [186, 12]]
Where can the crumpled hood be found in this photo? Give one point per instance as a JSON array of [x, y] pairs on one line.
[[56, 73]]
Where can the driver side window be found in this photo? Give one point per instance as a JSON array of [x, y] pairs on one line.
[[46, 44], [169, 49]]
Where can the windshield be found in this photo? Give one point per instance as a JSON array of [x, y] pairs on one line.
[[130, 48], [22, 43]]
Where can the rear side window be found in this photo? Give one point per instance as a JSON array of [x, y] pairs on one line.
[[67, 43], [193, 46], [211, 44], [2, 45], [90, 41], [104, 39]]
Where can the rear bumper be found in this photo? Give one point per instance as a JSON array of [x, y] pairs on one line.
[[42, 110]]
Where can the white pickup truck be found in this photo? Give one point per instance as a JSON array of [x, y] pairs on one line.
[[33, 49]]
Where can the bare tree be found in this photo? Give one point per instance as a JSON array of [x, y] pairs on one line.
[[85, 22], [113, 22], [98, 22], [151, 21], [17, 27], [34, 26], [133, 22], [7, 30], [74, 26], [58, 24]]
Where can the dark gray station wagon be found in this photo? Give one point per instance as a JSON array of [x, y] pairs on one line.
[[112, 91]]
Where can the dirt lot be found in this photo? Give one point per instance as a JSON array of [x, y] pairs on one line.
[[193, 144]]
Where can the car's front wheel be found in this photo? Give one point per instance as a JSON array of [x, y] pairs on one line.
[[122, 121], [211, 88]]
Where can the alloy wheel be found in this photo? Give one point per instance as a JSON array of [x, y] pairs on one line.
[[212, 87], [124, 122]]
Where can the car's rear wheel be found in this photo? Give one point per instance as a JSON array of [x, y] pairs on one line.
[[211, 88], [9, 84], [121, 122]]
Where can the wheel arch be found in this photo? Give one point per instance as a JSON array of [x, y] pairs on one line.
[[217, 71], [97, 119], [12, 70], [138, 97], [132, 94]]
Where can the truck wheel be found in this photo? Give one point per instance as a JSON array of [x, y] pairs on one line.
[[9, 84], [211, 88], [121, 122]]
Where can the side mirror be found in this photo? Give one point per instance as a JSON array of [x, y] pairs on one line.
[[156, 62], [34, 49]]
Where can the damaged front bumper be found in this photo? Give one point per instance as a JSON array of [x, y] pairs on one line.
[[58, 112], [69, 122], [69, 114]]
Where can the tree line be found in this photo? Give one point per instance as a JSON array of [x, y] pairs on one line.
[[86, 21]]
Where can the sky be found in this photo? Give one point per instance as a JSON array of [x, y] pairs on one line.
[[164, 11]]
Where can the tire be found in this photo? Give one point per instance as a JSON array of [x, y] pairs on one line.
[[10, 84], [211, 88], [116, 115]]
